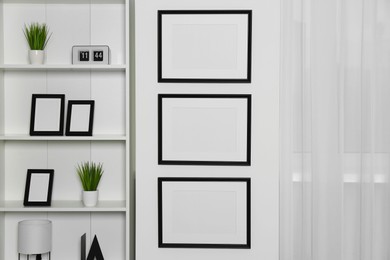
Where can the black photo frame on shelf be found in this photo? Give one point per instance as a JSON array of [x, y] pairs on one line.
[[39, 186], [204, 212], [204, 129], [79, 119], [47, 115], [204, 46]]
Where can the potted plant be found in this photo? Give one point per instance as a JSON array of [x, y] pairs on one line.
[[90, 174], [37, 36]]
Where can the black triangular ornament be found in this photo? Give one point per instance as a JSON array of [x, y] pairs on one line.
[[95, 252]]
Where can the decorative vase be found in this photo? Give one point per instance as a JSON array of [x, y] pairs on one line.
[[37, 56], [90, 198]]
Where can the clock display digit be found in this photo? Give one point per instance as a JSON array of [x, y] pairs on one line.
[[98, 56], [84, 55]]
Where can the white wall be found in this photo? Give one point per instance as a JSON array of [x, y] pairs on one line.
[[264, 171]]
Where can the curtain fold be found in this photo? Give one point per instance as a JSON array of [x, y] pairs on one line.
[[335, 130]]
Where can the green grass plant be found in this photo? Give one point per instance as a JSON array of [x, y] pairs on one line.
[[90, 174], [37, 35]]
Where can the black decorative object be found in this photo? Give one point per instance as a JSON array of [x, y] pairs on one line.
[[39, 185], [95, 252], [83, 247], [204, 46], [47, 115], [204, 213], [79, 119], [204, 129]]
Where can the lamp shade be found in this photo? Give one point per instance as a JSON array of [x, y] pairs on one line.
[[34, 237]]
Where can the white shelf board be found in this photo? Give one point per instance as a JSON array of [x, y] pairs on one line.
[[44, 67], [63, 138], [61, 1], [65, 206]]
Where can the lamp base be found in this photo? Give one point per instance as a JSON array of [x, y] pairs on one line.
[[37, 257]]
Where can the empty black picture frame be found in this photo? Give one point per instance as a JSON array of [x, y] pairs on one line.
[[47, 115], [183, 244], [246, 78], [246, 158], [39, 186], [86, 130]]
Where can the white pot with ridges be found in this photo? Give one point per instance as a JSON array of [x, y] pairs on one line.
[[90, 174]]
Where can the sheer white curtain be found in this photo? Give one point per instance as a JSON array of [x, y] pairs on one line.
[[335, 130]]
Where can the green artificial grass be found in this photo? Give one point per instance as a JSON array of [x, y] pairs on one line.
[[37, 35], [90, 175]]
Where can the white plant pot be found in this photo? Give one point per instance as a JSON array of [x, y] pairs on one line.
[[90, 198], [37, 56]]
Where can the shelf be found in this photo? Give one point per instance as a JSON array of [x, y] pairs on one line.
[[93, 22], [63, 138], [65, 206], [48, 67], [62, 1]]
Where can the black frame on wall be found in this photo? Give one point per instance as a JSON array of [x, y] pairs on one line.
[[195, 161], [163, 244], [217, 79]]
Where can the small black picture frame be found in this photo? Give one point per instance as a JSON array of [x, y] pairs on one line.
[[204, 129], [204, 46], [39, 186], [47, 115], [79, 119], [198, 212]]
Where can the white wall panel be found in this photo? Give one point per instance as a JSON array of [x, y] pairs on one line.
[[74, 84], [19, 87], [63, 157], [75, 31], [108, 28], [2, 105], [2, 233], [264, 170], [108, 227], [2, 170], [17, 15], [67, 231], [20, 156], [110, 97], [112, 155], [1, 34]]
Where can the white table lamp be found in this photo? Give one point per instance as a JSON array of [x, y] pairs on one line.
[[34, 238]]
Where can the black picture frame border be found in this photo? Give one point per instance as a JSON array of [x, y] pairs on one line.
[[160, 159], [30, 172], [161, 243], [58, 132], [71, 103], [161, 79]]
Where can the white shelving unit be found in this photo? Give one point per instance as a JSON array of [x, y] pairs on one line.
[[72, 22]]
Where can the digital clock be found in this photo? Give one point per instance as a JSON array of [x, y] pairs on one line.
[[90, 54]]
